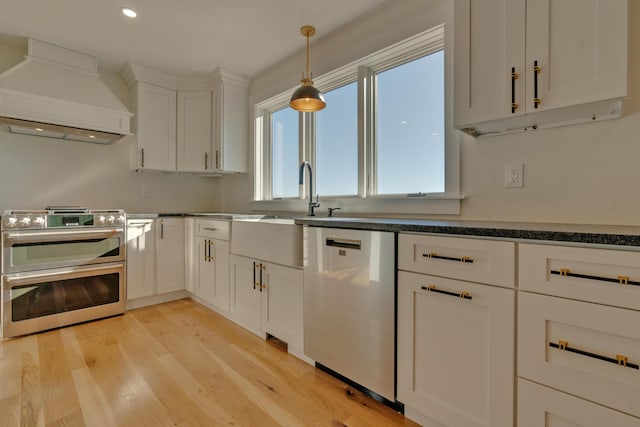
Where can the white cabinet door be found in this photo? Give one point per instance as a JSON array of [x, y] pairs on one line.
[[194, 131], [245, 302], [191, 261], [489, 45], [282, 304], [540, 406], [513, 58], [170, 254], [581, 60], [456, 354], [154, 127], [219, 253], [206, 270], [141, 255], [589, 350], [230, 121]]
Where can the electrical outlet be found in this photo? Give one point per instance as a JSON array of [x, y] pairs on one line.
[[513, 175], [146, 190]]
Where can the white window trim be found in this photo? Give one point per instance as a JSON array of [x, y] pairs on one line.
[[405, 51]]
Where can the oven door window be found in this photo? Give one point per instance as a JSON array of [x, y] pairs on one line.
[[34, 254], [59, 296]]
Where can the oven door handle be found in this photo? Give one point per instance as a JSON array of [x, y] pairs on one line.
[[61, 274], [58, 236]]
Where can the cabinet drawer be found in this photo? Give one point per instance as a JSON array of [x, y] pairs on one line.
[[475, 260], [603, 276], [579, 348], [214, 229], [540, 406]]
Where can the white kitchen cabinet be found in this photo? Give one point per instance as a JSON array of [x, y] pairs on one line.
[[246, 289], [282, 300], [585, 349], [170, 254], [267, 298], [194, 131], [455, 351], [540, 406], [230, 121], [213, 272], [212, 263], [530, 63], [154, 143], [190, 261], [141, 257]]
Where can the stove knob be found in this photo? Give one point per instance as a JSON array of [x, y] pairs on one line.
[[111, 219], [120, 219], [25, 221], [11, 222], [102, 220], [39, 221]]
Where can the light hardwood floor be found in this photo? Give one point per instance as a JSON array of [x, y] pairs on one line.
[[173, 364]]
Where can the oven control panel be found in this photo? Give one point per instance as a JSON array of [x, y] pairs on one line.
[[22, 221], [42, 220]]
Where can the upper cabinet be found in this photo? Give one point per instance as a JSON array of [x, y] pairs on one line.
[[193, 125], [230, 121], [154, 126], [527, 64], [194, 131]]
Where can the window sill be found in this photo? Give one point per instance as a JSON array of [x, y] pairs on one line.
[[428, 205]]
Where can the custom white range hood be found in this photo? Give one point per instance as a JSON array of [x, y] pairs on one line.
[[57, 92]]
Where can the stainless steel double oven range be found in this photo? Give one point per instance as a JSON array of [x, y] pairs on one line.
[[61, 266]]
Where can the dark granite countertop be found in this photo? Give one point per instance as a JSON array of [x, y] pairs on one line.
[[574, 233]]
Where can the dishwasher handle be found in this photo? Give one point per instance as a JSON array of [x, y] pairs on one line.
[[344, 243]]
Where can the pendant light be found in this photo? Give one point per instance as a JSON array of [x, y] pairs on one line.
[[307, 98]]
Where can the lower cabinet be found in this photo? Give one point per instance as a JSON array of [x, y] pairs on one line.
[[155, 257], [212, 285], [141, 258], [455, 351], [267, 298], [540, 406], [170, 254]]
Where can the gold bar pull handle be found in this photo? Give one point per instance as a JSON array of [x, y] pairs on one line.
[[461, 294], [254, 276], [619, 360], [620, 280], [536, 71], [514, 77], [462, 259]]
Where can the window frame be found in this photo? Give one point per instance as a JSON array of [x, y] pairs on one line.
[[363, 71]]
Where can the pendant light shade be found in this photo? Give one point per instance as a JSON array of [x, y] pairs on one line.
[[307, 98]]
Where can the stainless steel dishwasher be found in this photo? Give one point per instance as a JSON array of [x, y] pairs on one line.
[[349, 305]]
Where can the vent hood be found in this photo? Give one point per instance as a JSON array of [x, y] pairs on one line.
[[57, 93]]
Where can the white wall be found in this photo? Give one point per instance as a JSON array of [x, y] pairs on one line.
[[36, 172], [579, 174]]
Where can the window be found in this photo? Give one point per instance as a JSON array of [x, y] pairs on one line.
[[380, 145], [284, 153], [410, 127], [336, 143]]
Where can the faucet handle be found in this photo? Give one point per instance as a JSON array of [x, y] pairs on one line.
[[331, 210]]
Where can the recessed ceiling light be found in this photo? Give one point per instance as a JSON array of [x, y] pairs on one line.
[[39, 129], [92, 136], [126, 11]]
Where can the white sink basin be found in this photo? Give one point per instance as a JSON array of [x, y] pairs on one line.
[[270, 239]]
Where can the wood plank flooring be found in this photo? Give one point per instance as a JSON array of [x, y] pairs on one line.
[[173, 364]]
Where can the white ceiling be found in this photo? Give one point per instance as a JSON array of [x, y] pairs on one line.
[[182, 37]]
